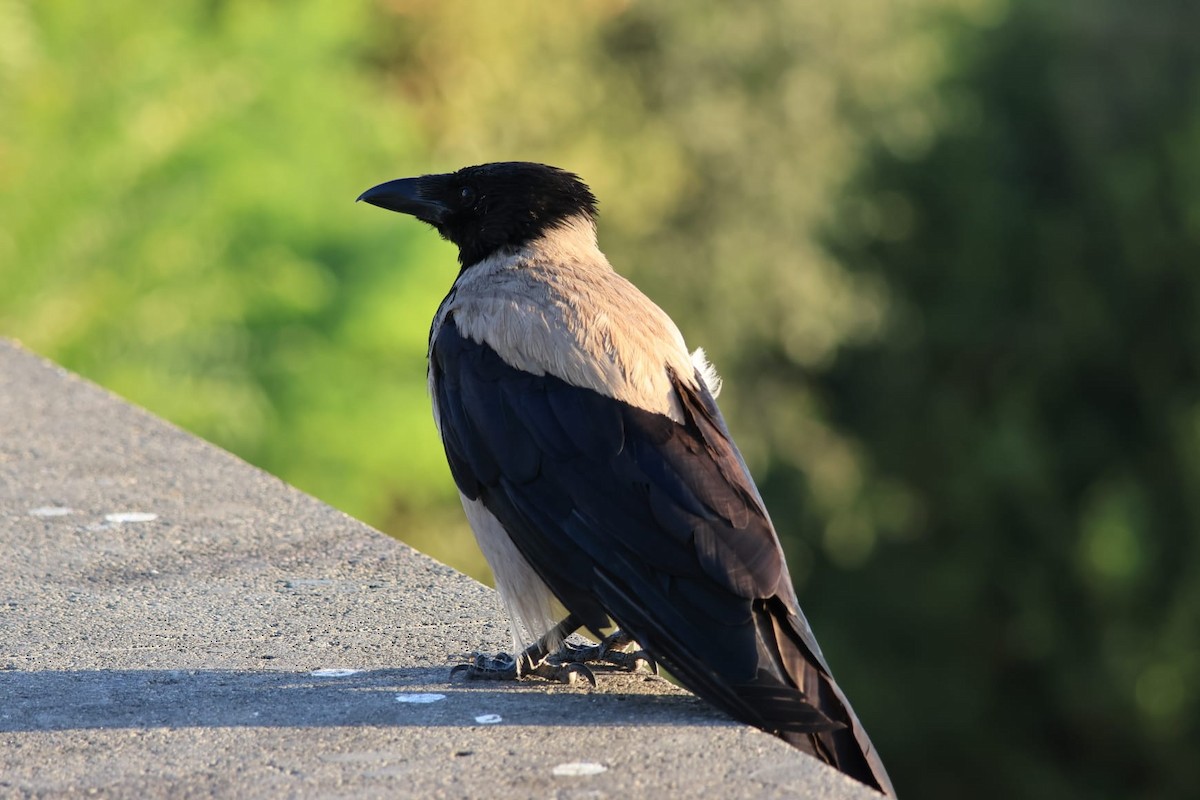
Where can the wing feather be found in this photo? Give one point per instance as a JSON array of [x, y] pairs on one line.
[[632, 516]]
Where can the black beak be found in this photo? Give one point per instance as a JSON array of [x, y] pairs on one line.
[[407, 197]]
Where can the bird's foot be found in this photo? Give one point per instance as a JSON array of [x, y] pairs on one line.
[[500, 667], [503, 667], [617, 649], [568, 665], [568, 672]]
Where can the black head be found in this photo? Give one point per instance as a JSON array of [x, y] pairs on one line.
[[490, 207]]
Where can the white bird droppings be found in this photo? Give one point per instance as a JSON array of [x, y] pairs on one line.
[[573, 769], [420, 697], [488, 719], [130, 516], [334, 672], [51, 511]]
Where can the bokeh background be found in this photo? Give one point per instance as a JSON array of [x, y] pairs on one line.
[[946, 254]]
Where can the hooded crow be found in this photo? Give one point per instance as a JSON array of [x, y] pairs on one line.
[[594, 465]]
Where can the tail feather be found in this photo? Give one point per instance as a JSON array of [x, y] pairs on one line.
[[843, 745]]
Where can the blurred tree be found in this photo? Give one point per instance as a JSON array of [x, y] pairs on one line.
[[1033, 405], [177, 223]]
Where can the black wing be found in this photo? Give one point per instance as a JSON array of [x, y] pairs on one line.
[[629, 515]]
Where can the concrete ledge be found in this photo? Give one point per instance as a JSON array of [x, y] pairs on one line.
[[166, 611]]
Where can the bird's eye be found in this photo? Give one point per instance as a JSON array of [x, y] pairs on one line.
[[466, 195]]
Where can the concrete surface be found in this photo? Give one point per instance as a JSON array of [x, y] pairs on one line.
[[166, 610]]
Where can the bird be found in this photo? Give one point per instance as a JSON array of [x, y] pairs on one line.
[[596, 470]]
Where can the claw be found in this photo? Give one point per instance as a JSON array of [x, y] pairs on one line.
[[633, 661], [577, 671], [568, 672]]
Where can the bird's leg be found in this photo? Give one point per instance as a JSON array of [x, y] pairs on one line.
[[534, 660], [617, 649]]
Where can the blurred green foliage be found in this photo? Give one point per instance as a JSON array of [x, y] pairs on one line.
[[177, 223], [943, 252], [1035, 393]]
